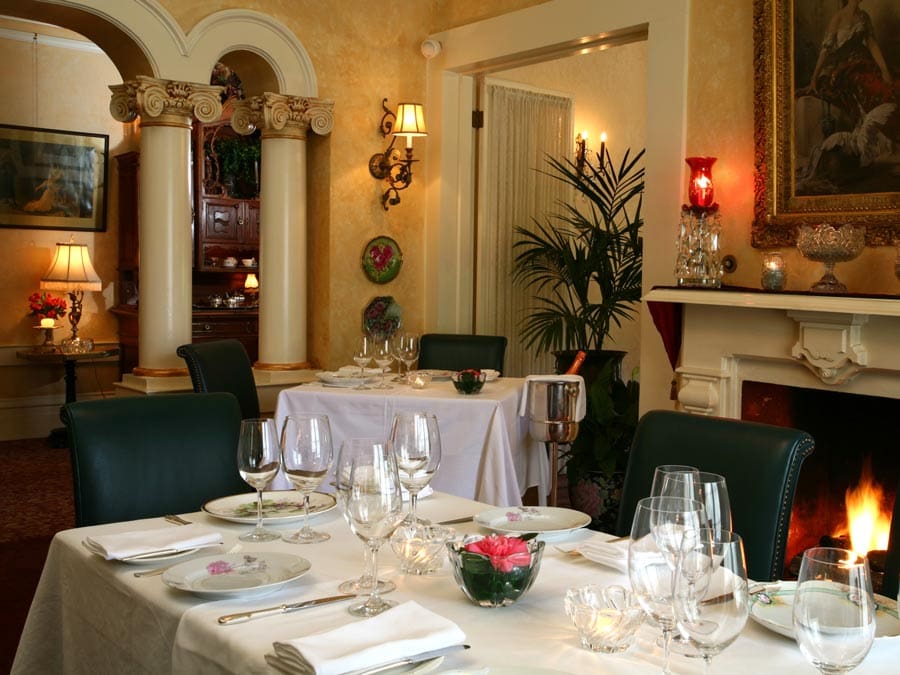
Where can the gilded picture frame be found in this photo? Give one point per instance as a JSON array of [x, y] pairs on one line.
[[52, 179], [816, 159]]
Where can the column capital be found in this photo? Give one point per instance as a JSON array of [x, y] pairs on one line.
[[283, 115], [165, 102]]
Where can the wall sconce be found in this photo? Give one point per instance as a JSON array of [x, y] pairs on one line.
[[581, 152], [72, 271], [388, 165], [698, 262]]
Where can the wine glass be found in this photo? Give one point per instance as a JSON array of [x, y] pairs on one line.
[[362, 356], [306, 452], [711, 599], [383, 358], [416, 440], [834, 609], [397, 353], [258, 462], [374, 509], [363, 584], [709, 488], [664, 472], [409, 349], [657, 534]]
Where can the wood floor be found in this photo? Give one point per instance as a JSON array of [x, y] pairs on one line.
[[36, 502]]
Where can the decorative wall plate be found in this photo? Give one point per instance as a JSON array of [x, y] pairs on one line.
[[381, 260], [382, 316]]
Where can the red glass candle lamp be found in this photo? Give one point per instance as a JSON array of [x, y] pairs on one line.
[[700, 187]]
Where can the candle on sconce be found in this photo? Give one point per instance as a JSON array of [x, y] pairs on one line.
[[48, 323], [773, 272], [602, 147]]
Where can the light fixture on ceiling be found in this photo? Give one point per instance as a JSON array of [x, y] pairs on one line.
[[71, 271], [389, 165]]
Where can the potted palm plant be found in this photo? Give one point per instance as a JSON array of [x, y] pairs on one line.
[[584, 266]]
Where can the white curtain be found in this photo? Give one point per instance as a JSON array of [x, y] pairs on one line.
[[521, 128]]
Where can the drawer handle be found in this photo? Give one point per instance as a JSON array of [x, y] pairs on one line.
[[207, 327]]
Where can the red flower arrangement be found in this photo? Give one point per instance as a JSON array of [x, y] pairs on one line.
[[503, 552], [496, 570], [44, 305]]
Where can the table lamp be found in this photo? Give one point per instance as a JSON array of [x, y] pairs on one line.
[[71, 271]]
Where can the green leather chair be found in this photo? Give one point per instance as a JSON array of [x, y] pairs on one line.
[[889, 586], [445, 351], [760, 462], [144, 456], [222, 365]]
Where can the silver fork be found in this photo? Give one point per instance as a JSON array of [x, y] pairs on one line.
[[159, 570], [176, 520]]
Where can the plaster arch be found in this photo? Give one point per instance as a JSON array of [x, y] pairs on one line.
[[142, 38]]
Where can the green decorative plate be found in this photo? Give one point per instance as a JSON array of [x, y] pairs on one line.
[[381, 260]]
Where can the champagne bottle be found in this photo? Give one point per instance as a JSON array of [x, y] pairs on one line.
[[577, 363]]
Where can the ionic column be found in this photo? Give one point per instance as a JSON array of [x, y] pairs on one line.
[[284, 122], [166, 109]]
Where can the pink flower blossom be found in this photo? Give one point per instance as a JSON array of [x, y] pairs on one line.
[[219, 567], [505, 553]]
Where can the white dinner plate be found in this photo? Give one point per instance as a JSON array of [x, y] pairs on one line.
[[279, 506], [505, 670], [490, 374], [540, 519], [232, 574], [339, 379], [773, 609]]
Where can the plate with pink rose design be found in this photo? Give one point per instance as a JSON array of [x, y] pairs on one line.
[[236, 574], [545, 520], [381, 259]]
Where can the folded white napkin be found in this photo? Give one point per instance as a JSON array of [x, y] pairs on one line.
[[138, 542], [580, 404], [403, 631], [613, 554]]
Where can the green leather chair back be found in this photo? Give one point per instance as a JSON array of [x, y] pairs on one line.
[[144, 456], [222, 365], [760, 462], [445, 351]]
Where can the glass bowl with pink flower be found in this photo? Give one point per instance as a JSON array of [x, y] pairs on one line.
[[495, 570]]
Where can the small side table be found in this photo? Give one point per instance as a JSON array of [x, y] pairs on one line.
[[58, 437]]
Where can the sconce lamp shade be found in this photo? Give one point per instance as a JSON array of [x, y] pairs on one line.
[[71, 270], [251, 282], [700, 188], [410, 120]]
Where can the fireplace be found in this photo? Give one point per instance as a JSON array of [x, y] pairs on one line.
[[829, 365]]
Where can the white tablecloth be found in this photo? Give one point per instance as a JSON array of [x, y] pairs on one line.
[[487, 454], [93, 616]]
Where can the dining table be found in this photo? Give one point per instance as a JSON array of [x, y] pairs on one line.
[[487, 453], [92, 615]]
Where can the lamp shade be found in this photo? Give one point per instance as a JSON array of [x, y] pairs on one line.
[[71, 270], [251, 281], [410, 120]]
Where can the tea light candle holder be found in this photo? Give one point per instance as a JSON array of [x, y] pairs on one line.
[[773, 272], [419, 380]]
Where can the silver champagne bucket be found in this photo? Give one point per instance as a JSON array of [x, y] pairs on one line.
[[552, 419]]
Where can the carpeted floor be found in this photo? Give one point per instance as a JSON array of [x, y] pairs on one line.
[[36, 503]]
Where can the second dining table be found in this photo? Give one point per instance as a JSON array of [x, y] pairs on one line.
[[487, 453]]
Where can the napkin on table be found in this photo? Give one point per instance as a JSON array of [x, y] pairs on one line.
[[353, 371], [613, 554], [580, 404], [403, 631], [138, 542]]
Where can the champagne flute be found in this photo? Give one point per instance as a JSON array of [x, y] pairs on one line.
[[362, 355], [834, 609], [657, 534], [374, 508], [350, 448], [416, 440], [258, 462], [711, 599], [306, 452], [383, 358]]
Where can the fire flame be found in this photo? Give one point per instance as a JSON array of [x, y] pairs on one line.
[[868, 522]]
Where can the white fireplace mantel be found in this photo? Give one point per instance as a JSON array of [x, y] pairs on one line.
[[837, 343]]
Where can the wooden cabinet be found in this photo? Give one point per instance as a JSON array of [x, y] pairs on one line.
[[226, 169]]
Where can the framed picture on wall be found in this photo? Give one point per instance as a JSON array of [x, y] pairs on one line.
[[52, 179], [827, 118]]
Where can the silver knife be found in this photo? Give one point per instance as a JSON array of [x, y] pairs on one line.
[[410, 660], [282, 609], [454, 521]]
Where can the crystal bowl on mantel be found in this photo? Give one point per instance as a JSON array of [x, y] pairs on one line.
[[829, 244]]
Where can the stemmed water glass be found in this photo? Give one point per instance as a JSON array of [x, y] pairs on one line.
[[709, 488], [306, 453], [657, 534], [834, 609], [407, 347], [383, 358], [711, 599], [362, 356], [258, 459], [350, 449], [416, 440], [374, 509]]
